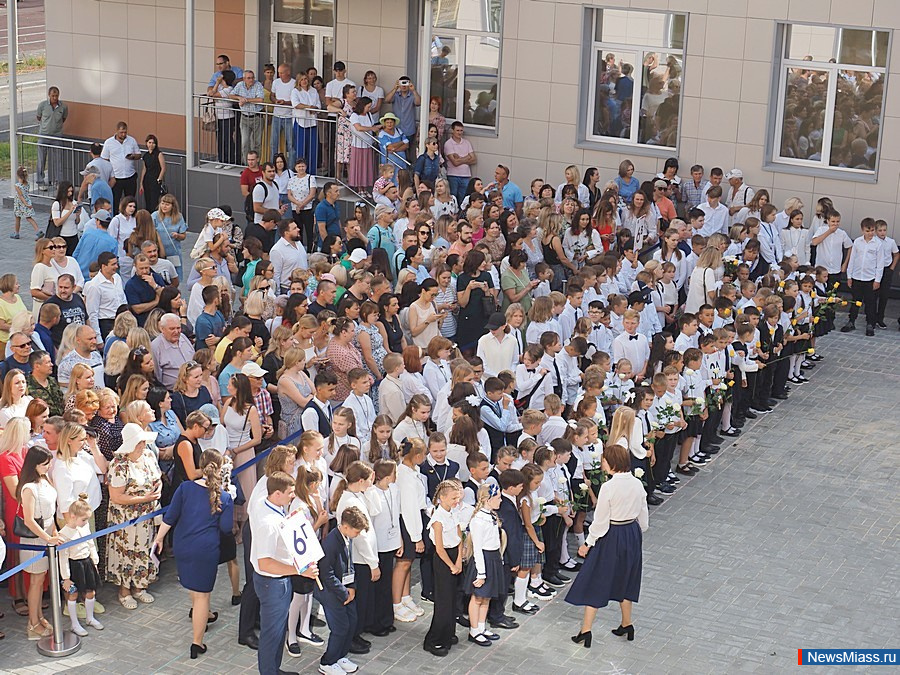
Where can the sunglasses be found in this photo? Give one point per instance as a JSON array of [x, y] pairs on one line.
[[141, 351], [54, 247], [26, 345]]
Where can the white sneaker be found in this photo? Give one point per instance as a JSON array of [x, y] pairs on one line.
[[347, 665], [96, 625], [404, 614], [79, 630], [413, 607], [333, 669]]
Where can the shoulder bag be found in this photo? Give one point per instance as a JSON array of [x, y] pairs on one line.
[[20, 529]]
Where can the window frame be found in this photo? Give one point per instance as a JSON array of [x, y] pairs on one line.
[[592, 49], [781, 64], [461, 37]]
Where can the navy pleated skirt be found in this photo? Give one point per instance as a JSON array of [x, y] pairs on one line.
[[493, 569], [612, 569]]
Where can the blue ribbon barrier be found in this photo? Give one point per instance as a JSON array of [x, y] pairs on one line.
[[128, 523]]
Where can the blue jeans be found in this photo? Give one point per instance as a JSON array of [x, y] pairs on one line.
[[306, 145], [458, 187], [283, 125], [274, 603], [341, 624]]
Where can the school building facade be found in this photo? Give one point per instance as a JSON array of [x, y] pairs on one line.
[[798, 94]]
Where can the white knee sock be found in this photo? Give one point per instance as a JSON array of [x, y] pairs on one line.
[[696, 447], [306, 614], [564, 549], [726, 417], [294, 617], [535, 581], [89, 609], [73, 613], [579, 538], [520, 585]]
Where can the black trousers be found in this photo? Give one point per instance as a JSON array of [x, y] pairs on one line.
[[665, 450], [780, 377], [426, 567], [763, 390], [249, 600], [381, 615], [365, 594], [443, 620], [106, 326], [710, 427], [497, 608], [884, 292], [553, 530], [306, 221], [863, 291], [124, 187]]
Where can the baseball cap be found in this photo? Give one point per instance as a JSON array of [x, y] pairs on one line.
[[358, 255], [250, 369], [496, 321], [90, 170], [660, 183], [381, 209], [103, 216], [210, 410], [339, 65], [216, 214], [734, 173]]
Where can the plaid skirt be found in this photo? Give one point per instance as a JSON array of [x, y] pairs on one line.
[[530, 555]]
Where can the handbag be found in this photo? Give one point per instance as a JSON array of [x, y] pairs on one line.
[[163, 189], [20, 529], [52, 230], [208, 114]]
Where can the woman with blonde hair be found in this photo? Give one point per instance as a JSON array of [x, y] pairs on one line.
[[14, 399], [76, 471], [115, 362], [295, 390], [138, 337], [23, 322], [123, 323], [704, 280], [172, 230], [573, 177], [67, 343], [43, 276], [66, 264], [10, 304], [551, 245], [207, 361], [280, 343], [13, 444]]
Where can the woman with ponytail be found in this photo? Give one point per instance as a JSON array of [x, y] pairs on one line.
[[203, 511]]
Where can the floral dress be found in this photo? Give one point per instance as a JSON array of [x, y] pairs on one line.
[[344, 136], [22, 206], [127, 550], [378, 353], [290, 411], [341, 361]]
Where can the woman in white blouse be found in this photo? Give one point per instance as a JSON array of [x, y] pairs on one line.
[[705, 280], [120, 229], [76, 469], [436, 370], [612, 550]]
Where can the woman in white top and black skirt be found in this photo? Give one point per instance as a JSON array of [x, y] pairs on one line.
[[612, 550]]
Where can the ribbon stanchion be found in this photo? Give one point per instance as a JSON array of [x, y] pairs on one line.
[[61, 642]]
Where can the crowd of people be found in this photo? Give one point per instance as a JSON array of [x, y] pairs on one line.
[[497, 383]]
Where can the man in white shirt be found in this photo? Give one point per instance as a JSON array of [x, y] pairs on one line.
[[104, 294], [739, 195], [84, 351], [273, 567], [716, 216], [831, 242], [122, 151], [287, 254], [334, 90], [282, 120], [265, 194]]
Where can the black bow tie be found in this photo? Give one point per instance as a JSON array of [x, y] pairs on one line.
[[530, 370], [632, 337]]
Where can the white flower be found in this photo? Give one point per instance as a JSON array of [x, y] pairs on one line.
[[688, 371], [722, 386], [585, 486], [562, 480], [541, 501], [638, 473], [596, 455], [623, 376]]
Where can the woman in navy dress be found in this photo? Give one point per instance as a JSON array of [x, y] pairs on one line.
[[612, 550], [203, 512]]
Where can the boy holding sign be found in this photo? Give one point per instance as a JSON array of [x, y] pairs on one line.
[[337, 595], [273, 565]]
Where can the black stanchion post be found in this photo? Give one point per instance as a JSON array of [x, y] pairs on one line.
[[61, 642]]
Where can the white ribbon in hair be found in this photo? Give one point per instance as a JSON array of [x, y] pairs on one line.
[[473, 400]]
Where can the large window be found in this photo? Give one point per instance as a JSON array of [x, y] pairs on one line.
[[465, 60], [830, 97], [637, 64]]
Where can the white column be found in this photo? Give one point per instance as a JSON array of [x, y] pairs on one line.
[[189, 85], [425, 73], [11, 49]]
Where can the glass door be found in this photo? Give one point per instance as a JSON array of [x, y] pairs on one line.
[[304, 47]]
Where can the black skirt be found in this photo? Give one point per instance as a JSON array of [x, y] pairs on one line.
[[84, 575], [694, 427], [227, 548], [409, 548], [302, 585], [493, 569]]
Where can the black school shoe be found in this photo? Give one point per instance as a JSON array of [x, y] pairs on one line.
[[847, 328], [870, 330], [654, 500], [507, 622]]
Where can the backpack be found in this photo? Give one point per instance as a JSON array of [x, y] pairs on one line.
[[248, 201]]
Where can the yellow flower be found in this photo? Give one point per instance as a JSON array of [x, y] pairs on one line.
[[730, 383], [813, 295], [793, 322], [836, 284], [810, 351], [844, 303], [727, 311], [758, 344], [815, 319], [859, 303]]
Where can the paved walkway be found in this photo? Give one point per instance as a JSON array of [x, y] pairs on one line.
[[788, 539]]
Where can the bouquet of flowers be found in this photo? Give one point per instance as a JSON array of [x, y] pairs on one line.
[[594, 477], [731, 263], [716, 396], [667, 414]]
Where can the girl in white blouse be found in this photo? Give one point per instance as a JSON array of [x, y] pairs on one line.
[[386, 523], [484, 574], [413, 511], [446, 535], [343, 432], [413, 421]]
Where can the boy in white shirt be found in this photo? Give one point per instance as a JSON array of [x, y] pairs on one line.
[[531, 377], [555, 426], [632, 345], [600, 337], [360, 402], [687, 337], [864, 269], [571, 312]]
